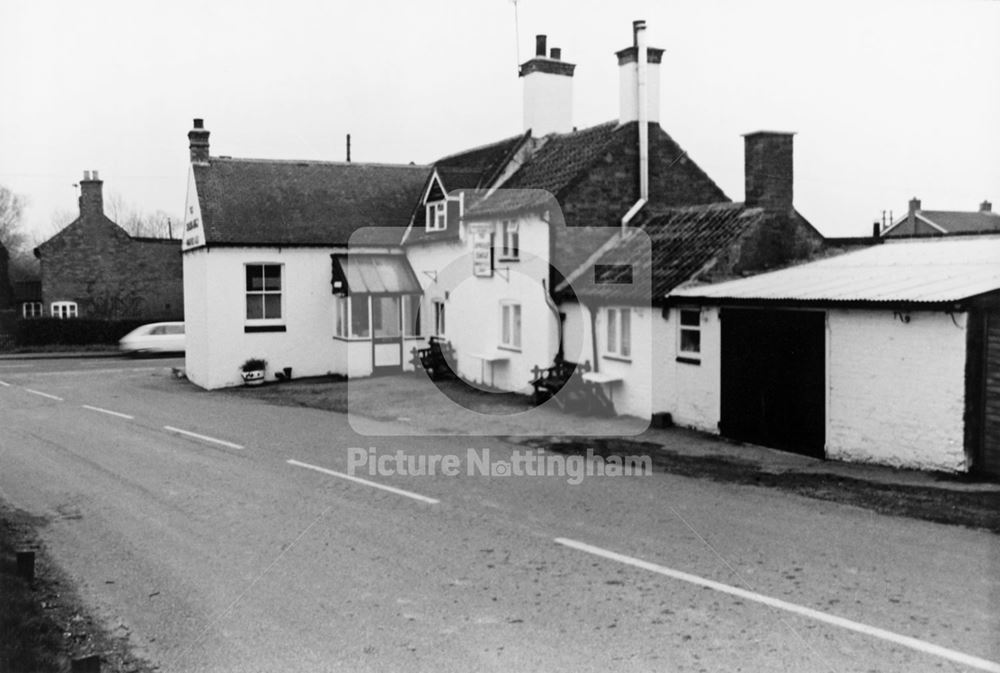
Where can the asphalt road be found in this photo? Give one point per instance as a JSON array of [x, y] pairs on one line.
[[218, 554]]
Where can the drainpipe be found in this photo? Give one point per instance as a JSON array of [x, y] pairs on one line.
[[639, 31], [593, 333]]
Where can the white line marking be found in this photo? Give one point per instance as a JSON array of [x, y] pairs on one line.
[[39, 392], [108, 411], [4, 384], [203, 437], [397, 491], [905, 641], [17, 366]]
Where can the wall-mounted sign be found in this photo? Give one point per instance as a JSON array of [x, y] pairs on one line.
[[482, 250]]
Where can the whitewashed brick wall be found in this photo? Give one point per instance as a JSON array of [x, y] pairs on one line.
[[896, 390]]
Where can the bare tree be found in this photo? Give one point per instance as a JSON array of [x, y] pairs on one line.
[[12, 235], [136, 221]]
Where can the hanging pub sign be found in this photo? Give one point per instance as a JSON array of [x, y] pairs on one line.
[[482, 250]]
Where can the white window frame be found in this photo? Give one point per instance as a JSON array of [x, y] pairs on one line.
[[510, 240], [37, 309], [440, 315], [64, 310], [618, 337], [263, 292], [683, 328], [437, 215], [411, 324], [511, 325], [344, 307]]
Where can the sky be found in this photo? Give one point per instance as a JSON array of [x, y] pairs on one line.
[[889, 99]]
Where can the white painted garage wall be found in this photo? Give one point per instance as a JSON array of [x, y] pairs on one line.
[[896, 389]]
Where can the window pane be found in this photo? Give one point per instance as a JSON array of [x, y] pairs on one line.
[[439, 326], [272, 306], [690, 341], [517, 326], [255, 277], [411, 326], [505, 325], [272, 277], [612, 331], [255, 307], [386, 317], [626, 320], [359, 315], [690, 317]]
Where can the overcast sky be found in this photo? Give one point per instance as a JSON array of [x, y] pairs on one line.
[[890, 99]]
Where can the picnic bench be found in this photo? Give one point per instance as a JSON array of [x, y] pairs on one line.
[[435, 358], [564, 383]]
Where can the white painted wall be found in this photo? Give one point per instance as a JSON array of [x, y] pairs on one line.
[[214, 284], [548, 103], [691, 393], [897, 390]]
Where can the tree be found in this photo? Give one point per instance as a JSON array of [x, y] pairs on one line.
[[12, 235], [136, 221]]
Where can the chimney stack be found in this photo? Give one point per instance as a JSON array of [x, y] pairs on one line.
[[986, 207], [768, 173], [91, 196], [911, 216], [548, 91], [198, 140], [628, 79]]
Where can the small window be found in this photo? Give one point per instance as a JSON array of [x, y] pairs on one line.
[[411, 315], [689, 338], [351, 316], [263, 292], [510, 240], [439, 325], [359, 316], [437, 216], [619, 332], [64, 309], [31, 309], [510, 325]]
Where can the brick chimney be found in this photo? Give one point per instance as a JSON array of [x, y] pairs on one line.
[[986, 207], [628, 80], [911, 216], [768, 171], [91, 196], [198, 139], [548, 91]]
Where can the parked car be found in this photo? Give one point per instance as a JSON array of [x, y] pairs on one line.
[[157, 337]]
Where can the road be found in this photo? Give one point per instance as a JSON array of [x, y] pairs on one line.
[[180, 516]]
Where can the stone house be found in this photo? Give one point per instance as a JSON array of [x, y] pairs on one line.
[[94, 269]]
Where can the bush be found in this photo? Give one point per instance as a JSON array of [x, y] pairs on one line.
[[72, 331]]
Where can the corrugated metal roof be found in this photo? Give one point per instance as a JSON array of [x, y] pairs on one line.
[[925, 271]]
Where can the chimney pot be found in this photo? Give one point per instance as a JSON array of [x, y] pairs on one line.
[[199, 123], [555, 53], [86, 175], [637, 25], [93, 175], [539, 45], [986, 207]]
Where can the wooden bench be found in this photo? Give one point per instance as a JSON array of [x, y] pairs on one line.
[[435, 358], [565, 384], [547, 381]]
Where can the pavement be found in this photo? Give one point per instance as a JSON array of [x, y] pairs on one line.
[[226, 534]]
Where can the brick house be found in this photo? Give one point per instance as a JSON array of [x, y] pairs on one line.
[[888, 355], [94, 269]]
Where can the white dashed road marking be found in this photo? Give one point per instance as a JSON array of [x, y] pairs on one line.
[[905, 641], [4, 384], [41, 394], [357, 480], [205, 438], [108, 411]]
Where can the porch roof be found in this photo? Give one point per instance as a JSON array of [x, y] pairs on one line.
[[355, 273]]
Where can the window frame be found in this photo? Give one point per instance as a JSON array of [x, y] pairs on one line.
[[440, 317], [412, 328], [618, 333], [695, 329], [70, 308], [37, 309], [437, 219], [510, 241], [344, 306], [263, 293], [509, 338]]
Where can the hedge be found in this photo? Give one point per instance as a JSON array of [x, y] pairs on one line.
[[72, 331]]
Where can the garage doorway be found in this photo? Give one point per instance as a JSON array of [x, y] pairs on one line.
[[774, 379]]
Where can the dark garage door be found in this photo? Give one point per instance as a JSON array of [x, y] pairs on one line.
[[774, 378]]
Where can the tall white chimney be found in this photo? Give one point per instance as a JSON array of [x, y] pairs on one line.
[[628, 79], [548, 91]]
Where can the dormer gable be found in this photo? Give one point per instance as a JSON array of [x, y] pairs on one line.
[[441, 210]]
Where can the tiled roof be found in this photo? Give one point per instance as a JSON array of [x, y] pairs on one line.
[[940, 270], [682, 242], [555, 166], [959, 222], [261, 202]]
